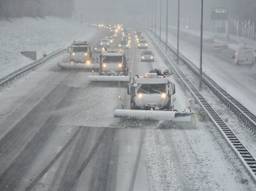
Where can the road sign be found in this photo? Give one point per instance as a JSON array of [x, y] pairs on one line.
[[220, 14]]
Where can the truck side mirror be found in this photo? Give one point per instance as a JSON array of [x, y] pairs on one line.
[[174, 90]]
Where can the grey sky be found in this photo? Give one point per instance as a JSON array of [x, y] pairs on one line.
[[140, 11]]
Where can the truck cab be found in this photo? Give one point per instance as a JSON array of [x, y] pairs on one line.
[[113, 62], [151, 91], [80, 52]]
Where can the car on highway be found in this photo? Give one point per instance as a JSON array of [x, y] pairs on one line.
[[98, 48], [105, 43], [147, 56], [124, 44], [142, 44]]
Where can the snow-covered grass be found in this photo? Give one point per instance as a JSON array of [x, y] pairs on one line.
[[239, 81], [37, 34]]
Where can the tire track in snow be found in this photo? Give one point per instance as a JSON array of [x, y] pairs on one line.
[[160, 168]]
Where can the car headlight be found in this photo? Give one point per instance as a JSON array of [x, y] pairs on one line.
[[73, 54], [163, 95], [140, 95]]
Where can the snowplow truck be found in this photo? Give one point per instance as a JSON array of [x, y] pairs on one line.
[[152, 91], [80, 52], [113, 63]]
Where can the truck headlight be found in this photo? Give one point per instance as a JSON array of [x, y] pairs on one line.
[[120, 65], [73, 54], [104, 65], [163, 95], [143, 57], [140, 95], [88, 62]]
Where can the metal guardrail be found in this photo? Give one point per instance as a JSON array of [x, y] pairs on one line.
[[243, 154], [17, 73], [247, 117]]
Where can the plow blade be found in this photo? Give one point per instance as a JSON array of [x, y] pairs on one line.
[[78, 66], [98, 78], [153, 115]]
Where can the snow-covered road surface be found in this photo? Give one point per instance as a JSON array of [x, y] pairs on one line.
[[133, 155]]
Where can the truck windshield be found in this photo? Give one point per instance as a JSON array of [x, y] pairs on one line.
[[80, 49], [111, 59], [152, 88], [147, 53]]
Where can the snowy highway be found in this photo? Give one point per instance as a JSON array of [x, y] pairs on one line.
[[58, 133], [220, 66]]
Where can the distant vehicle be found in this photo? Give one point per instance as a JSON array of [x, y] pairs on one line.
[[113, 63], [105, 43], [110, 39], [80, 52], [244, 56], [151, 91], [147, 56], [124, 43], [138, 34], [98, 48], [142, 44]]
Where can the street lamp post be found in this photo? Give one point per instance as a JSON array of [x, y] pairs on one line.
[[178, 33], [152, 16], [167, 25], [155, 17], [201, 44], [160, 17]]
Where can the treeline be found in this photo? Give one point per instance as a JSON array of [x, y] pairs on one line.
[[36, 8], [242, 9]]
